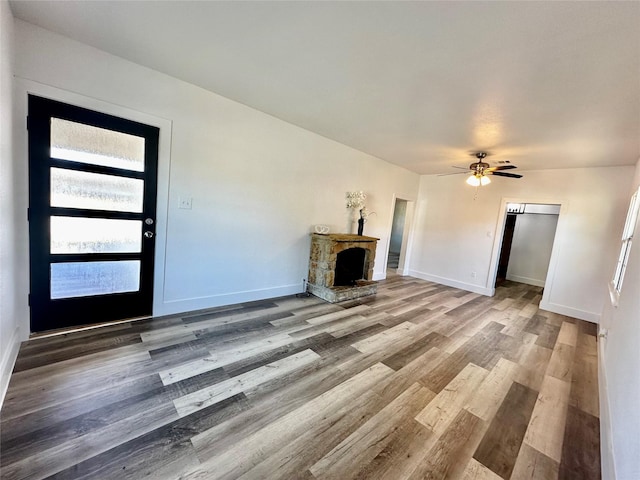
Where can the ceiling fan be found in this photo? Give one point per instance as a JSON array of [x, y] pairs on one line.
[[479, 170]]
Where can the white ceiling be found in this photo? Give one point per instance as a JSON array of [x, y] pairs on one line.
[[419, 84]]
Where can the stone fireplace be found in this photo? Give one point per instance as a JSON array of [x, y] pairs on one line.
[[341, 266]]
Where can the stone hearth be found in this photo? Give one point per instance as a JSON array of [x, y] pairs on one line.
[[341, 266]]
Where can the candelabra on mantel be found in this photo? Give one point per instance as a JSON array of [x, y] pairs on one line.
[[359, 214]]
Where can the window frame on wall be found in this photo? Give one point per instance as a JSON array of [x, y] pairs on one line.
[[625, 249]]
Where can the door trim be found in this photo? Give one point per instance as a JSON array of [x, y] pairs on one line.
[[407, 236], [22, 89], [499, 233]]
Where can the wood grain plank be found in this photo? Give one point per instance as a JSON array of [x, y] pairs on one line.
[[581, 447], [584, 381], [482, 349], [220, 391], [271, 403], [391, 336], [533, 465], [548, 336], [31, 421], [331, 317], [406, 355], [535, 324], [450, 454], [49, 385], [402, 454], [362, 446], [351, 325], [68, 453], [529, 310], [561, 362], [222, 357], [297, 456], [516, 326], [439, 413], [239, 457], [75, 349], [521, 346], [533, 366], [258, 360], [499, 447], [160, 453], [484, 403], [477, 471], [546, 428], [230, 311], [568, 334], [403, 378], [588, 328]]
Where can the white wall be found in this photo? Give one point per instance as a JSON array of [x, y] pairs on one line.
[[258, 184], [13, 301], [457, 234], [619, 358], [531, 248]]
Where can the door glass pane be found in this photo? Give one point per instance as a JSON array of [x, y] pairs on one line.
[[97, 146], [76, 189], [95, 235], [81, 279]]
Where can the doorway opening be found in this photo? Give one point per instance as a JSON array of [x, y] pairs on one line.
[[527, 243], [399, 246], [397, 231]]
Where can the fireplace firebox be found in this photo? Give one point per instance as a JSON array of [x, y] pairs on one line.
[[341, 266]]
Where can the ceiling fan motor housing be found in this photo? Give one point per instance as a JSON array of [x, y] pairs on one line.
[[479, 167]]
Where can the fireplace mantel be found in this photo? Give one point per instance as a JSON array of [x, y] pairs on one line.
[[326, 250]]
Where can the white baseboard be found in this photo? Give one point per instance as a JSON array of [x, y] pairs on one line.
[[453, 283], [607, 458], [570, 311], [170, 307], [527, 280], [8, 361]]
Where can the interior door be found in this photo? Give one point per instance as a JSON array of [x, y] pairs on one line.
[[92, 206]]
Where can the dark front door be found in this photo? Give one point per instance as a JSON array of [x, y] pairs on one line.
[[92, 215]]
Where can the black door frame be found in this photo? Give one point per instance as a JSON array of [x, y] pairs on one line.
[[47, 314]]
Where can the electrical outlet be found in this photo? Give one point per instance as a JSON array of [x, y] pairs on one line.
[[473, 274], [185, 203]]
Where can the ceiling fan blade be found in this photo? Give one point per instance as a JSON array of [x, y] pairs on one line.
[[501, 167], [462, 168], [454, 173], [502, 174]]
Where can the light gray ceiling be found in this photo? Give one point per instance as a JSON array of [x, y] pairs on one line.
[[419, 84]]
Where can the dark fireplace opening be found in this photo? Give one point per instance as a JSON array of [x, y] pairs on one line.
[[349, 267]]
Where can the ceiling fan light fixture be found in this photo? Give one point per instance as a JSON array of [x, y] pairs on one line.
[[473, 181], [478, 180]]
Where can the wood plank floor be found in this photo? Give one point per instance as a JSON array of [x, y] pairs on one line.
[[419, 381]]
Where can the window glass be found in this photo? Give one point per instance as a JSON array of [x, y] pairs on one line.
[[95, 235], [97, 146], [82, 279], [77, 189], [627, 238]]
